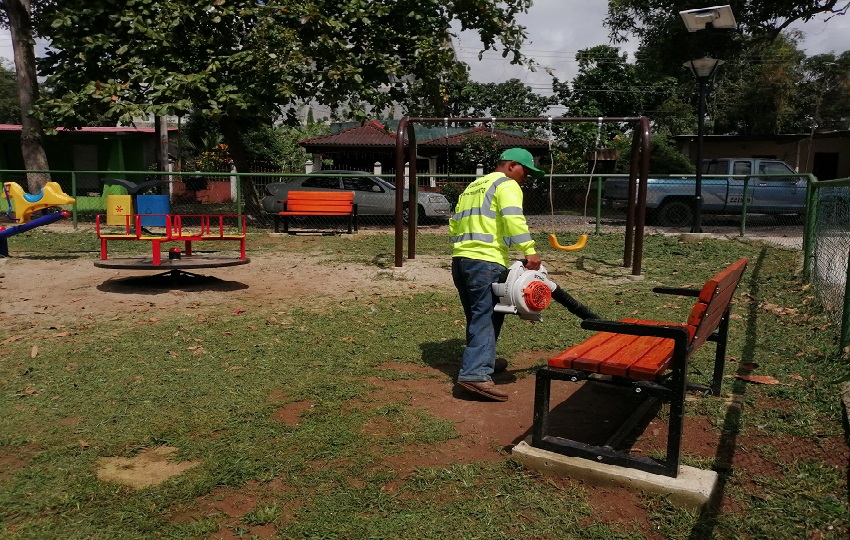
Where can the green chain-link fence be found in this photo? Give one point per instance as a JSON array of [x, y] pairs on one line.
[[827, 247]]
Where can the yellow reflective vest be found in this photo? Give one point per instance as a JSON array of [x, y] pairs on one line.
[[488, 221]]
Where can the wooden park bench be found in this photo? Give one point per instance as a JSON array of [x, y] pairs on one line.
[[651, 359], [317, 203]]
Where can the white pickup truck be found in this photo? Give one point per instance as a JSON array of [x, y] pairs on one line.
[[669, 201]]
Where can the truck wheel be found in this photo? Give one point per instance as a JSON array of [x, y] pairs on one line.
[[675, 213]]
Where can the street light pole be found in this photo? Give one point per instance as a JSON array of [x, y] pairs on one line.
[[703, 69], [696, 227]]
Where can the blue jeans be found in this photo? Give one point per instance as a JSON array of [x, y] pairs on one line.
[[473, 280]]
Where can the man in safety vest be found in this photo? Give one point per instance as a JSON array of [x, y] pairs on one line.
[[488, 222]]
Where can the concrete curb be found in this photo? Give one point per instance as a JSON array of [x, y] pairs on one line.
[[692, 488]]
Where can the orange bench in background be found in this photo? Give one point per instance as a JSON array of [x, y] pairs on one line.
[[651, 359], [317, 203]]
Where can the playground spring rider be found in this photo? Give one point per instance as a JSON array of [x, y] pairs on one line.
[[528, 292]]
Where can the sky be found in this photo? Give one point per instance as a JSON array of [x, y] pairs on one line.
[[558, 29]]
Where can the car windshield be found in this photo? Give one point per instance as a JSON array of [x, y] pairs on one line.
[[384, 183]]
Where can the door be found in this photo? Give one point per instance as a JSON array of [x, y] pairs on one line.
[[714, 189], [778, 194], [825, 166], [741, 171]]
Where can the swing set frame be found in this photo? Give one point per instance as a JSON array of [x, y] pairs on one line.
[[405, 152]]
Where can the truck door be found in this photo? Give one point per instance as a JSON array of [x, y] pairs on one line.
[[714, 190], [735, 193], [777, 194]]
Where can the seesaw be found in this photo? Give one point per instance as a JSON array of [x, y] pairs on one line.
[[24, 204]]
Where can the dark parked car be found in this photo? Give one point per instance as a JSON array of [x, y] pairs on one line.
[[373, 195]]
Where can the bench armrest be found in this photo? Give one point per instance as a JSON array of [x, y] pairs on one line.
[[678, 291]]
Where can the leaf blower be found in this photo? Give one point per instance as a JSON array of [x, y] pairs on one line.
[[527, 292]]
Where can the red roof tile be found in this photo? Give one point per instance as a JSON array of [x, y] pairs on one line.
[[374, 135], [371, 135], [506, 140]]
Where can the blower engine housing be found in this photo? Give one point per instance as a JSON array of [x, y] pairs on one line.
[[524, 292]]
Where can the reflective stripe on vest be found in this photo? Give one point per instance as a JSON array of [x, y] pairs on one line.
[[488, 238], [484, 209], [518, 239]]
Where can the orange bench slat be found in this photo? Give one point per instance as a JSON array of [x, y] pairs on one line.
[[623, 355], [320, 195], [319, 207]]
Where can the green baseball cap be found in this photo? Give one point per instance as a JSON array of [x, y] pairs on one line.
[[524, 158]]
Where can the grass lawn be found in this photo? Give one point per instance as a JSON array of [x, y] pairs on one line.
[[314, 408]]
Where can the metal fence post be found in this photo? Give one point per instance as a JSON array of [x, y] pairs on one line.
[[809, 227], [598, 204], [239, 208], [743, 230], [74, 194], [845, 315]]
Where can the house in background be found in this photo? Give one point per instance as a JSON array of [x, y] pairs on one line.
[[361, 147], [86, 149], [825, 155]]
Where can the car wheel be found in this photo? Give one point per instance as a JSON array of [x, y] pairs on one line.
[[420, 214], [675, 213]]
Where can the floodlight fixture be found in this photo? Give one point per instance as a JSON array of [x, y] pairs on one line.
[[716, 16]]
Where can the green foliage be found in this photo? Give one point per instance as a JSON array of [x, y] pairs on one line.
[[664, 158], [10, 107], [479, 148], [765, 86], [244, 58], [216, 159]]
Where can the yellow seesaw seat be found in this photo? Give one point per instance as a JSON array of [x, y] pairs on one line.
[[25, 204]]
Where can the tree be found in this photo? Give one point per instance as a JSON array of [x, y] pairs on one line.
[[464, 98], [659, 28], [18, 17], [606, 84], [758, 89], [759, 93], [242, 61], [10, 107], [824, 91]]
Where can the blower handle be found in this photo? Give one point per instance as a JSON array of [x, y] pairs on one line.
[[573, 306]]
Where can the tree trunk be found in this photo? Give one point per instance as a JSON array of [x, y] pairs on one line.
[[230, 130], [23, 45]]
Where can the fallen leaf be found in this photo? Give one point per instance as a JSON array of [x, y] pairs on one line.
[[758, 379], [796, 377], [238, 311], [34, 351]]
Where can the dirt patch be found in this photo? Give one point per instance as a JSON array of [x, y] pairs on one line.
[[283, 280], [150, 467]]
